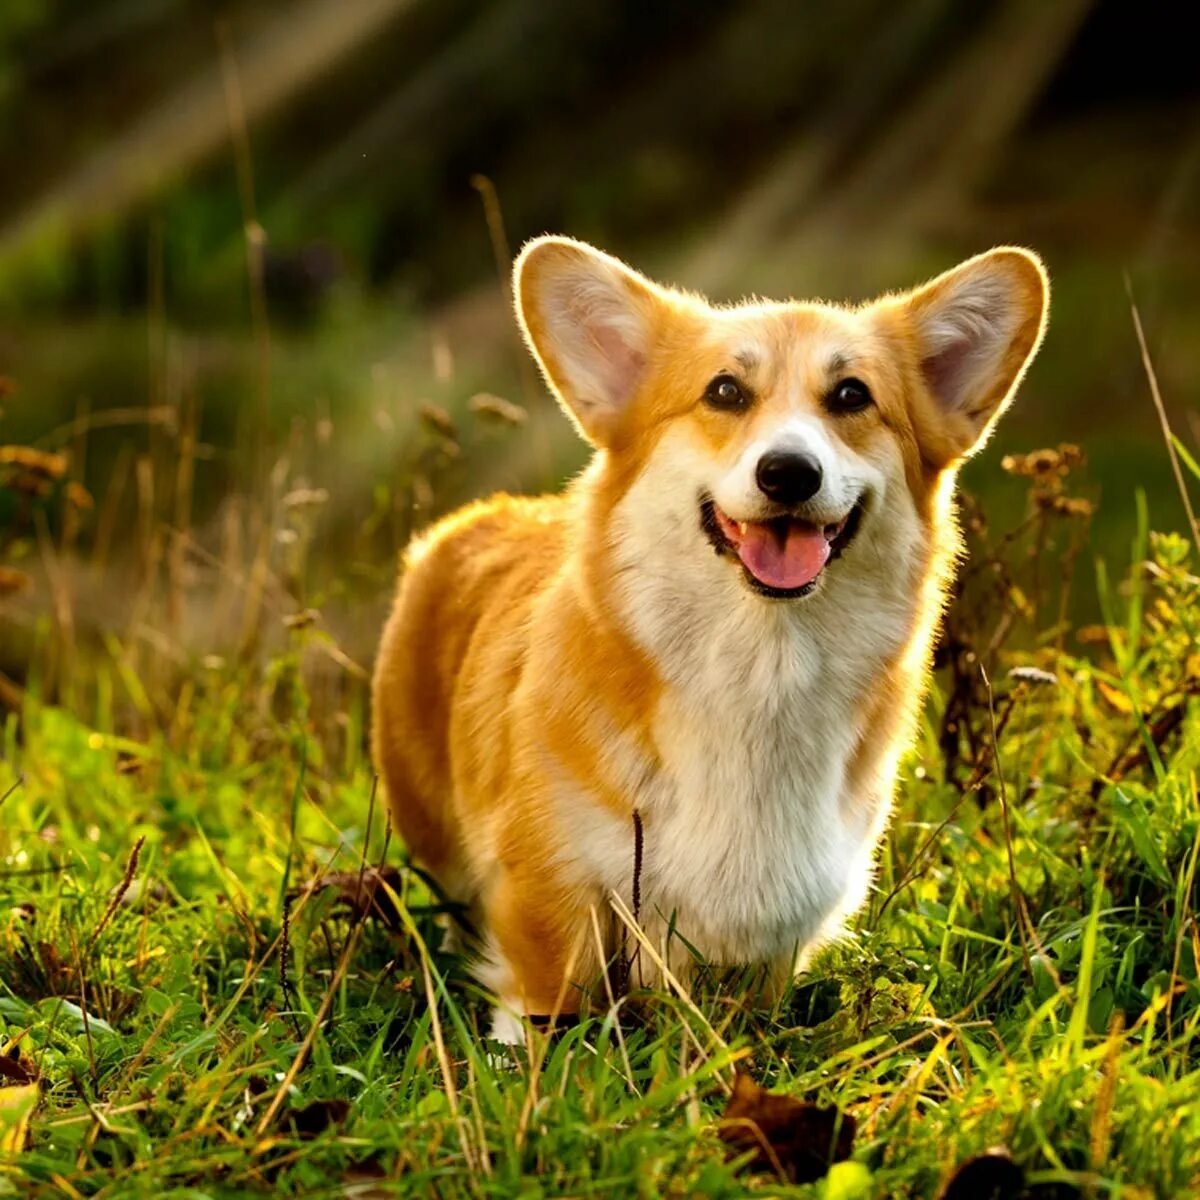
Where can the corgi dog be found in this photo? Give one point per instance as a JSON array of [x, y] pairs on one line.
[[685, 683]]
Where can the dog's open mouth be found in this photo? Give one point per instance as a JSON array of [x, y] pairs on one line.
[[784, 556]]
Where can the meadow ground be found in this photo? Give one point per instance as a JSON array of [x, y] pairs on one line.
[[186, 1011]]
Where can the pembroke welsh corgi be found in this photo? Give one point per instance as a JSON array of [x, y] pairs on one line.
[[684, 684]]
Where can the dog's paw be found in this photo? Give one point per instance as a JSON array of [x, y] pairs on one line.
[[507, 1027]]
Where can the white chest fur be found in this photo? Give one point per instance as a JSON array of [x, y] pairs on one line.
[[750, 849]]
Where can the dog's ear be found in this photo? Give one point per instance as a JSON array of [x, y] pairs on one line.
[[975, 330], [590, 322]]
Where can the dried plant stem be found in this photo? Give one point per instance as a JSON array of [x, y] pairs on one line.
[[502, 252], [622, 910], [978, 775], [1025, 925], [306, 1046], [1160, 408], [184, 483], [118, 895], [239, 135], [285, 959], [12, 787]]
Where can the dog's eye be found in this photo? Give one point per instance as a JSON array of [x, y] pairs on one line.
[[725, 392], [851, 395]]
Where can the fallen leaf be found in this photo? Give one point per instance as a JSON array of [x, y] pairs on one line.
[[366, 893], [316, 1117], [13, 1068], [59, 976], [989, 1176], [798, 1140], [16, 1109], [361, 1178]]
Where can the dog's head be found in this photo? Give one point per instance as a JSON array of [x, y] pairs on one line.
[[778, 434]]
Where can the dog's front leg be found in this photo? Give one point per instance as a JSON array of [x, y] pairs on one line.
[[541, 948]]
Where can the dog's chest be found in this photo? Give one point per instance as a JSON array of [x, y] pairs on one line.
[[747, 848]]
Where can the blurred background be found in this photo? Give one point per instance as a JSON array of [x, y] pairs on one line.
[[254, 325]]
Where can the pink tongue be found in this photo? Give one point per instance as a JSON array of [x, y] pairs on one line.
[[783, 561]]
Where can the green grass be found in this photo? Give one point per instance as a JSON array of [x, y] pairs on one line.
[[1026, 973]]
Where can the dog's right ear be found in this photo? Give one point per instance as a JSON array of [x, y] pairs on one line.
[[590, 322]]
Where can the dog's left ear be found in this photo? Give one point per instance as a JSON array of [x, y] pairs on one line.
[[976, 328]]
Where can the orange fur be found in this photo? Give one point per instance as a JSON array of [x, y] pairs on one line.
[[521, 711]]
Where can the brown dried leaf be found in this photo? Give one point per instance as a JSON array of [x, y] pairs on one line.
[[361, 1180], [365, 894], [15, 1069], [989, 1176], [316, 1117], [61, 978], [798, 1140]]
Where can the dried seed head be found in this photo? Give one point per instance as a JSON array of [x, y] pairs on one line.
[[485, 404], [1038, 464], [306, 497], [438, 419], [302, 620], [1032, 675], [36, 462]]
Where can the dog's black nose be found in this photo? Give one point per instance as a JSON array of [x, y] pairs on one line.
[[788, 477]]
